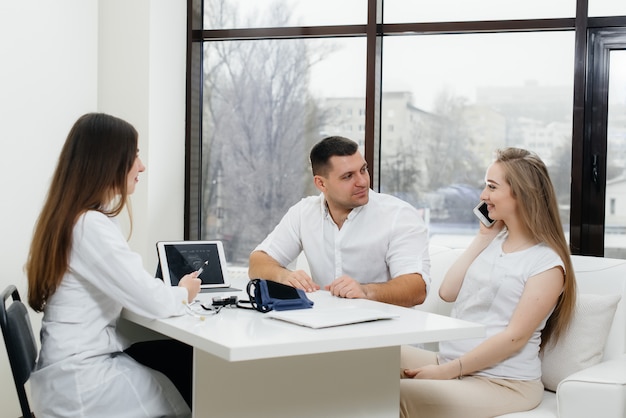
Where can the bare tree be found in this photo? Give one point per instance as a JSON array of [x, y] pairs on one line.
[[259, 123], [450, 159]]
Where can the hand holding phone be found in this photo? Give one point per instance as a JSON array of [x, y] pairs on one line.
[[482, 213]]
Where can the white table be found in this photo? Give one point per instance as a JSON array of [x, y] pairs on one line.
[[248, 365]]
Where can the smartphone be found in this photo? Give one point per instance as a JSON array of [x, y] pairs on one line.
[[483, 214]]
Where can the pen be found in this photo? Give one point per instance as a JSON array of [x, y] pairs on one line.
[[201, 269]]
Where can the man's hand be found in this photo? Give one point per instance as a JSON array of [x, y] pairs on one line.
[[262, 266], [346, 287], [298, 279], [404, 290]]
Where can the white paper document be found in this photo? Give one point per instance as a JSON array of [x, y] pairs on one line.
[[330, 317]]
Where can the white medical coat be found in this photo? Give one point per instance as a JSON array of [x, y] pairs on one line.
[[81, 370]]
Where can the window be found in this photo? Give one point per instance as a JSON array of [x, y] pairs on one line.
[[612, 206], [400, 11], [230, 14], [487, 91], [428, 94], [266, 103], [607, 8]]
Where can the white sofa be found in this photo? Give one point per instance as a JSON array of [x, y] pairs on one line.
[[595, 391]]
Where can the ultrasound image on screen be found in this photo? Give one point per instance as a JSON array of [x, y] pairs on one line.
[[185, 259]]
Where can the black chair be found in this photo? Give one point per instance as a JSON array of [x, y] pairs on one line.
[[20, 343]]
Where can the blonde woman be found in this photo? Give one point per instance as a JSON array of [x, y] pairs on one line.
[[516, 278]]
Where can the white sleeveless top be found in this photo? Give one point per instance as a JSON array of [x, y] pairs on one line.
[[491, 290]]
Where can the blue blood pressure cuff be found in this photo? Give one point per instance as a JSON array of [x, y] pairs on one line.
[[267, 295]]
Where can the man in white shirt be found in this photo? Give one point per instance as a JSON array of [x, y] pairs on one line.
[[358, 243]]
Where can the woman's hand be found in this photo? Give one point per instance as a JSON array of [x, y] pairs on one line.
[[446, 371], [490, 232], [192, 284]]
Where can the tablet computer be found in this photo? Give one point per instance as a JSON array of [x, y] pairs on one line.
[[178, 258]]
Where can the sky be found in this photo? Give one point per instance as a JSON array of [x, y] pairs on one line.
[[457, 63], [426, 65], [334, 12]]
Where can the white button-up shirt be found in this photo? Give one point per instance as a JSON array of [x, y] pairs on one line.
[[379, 241]]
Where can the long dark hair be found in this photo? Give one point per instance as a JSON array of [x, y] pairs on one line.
[[91, 174]]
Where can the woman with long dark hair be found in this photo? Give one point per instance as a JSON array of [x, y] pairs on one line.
[[82, 273]]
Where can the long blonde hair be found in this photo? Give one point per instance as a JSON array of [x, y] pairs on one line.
[[93, 166], [530, 185]]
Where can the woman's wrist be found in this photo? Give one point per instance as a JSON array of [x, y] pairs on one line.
[[454, 369]]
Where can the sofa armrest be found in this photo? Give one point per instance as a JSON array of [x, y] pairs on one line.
[[598, 391]]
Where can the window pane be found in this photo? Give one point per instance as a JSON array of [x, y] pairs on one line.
[[615, 218], [607, 8], [265, 103], [265, 13], [453, 99], [404, 11]]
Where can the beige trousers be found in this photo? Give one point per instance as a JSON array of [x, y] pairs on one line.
[[470, 397]]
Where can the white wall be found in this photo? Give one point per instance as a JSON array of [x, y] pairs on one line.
[[60, 60], [142, 49]]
